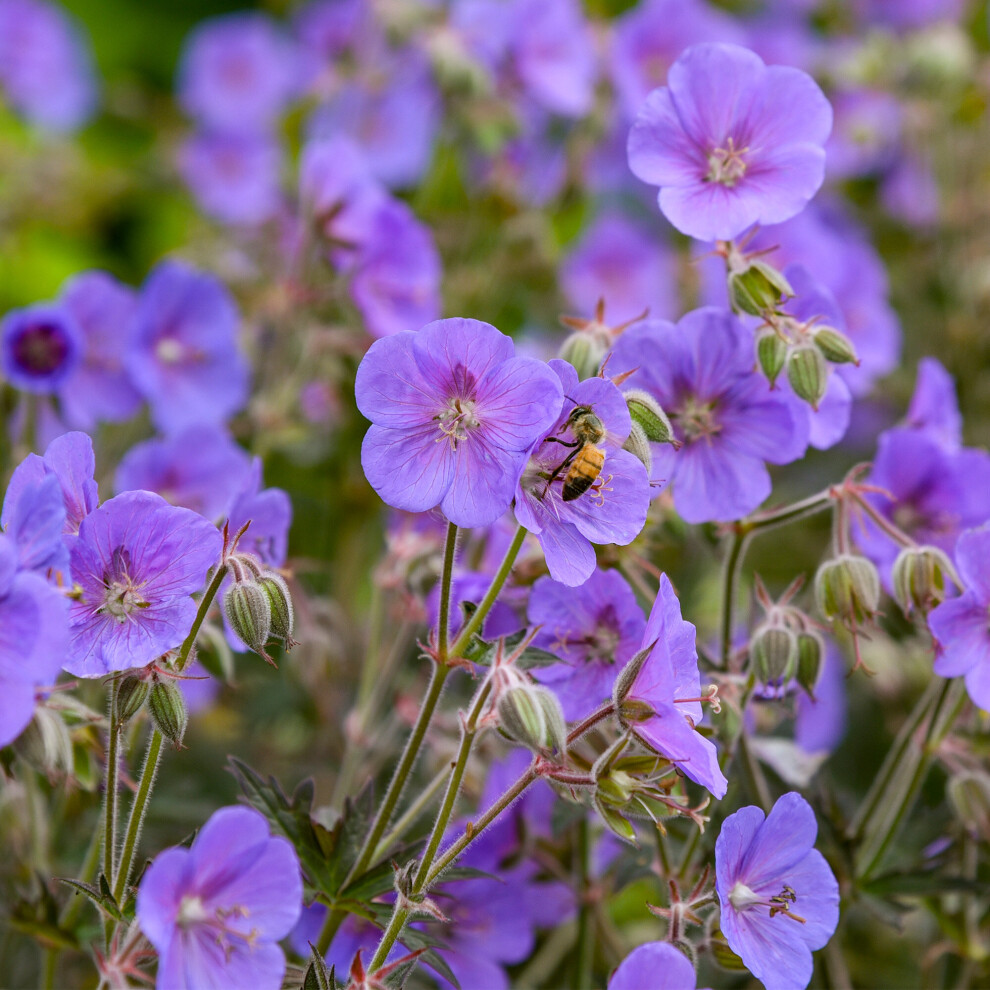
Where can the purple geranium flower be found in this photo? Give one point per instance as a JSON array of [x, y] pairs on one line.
[[355, 934], [200, 468], [184, 356], [34, 634], [70, 460], [934, 407], [961, 626], [612, 510], [269, 510], [731, 142], [40, 347], [46, 68], [216, 911], [668, 681], [395, 279], [657, 965], [650, 36], [595, 629], [34, 523], [453, 413], [234, 176], [616, 260], [724, 413], [100, 389], [779, 898], [238, 73], [137, 560]]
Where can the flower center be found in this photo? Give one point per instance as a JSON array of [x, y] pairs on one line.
[[456, 420], [742, 898], [122, 595], [41, 349], [726, 165], [168, 350], [193, 913], [697, 419]]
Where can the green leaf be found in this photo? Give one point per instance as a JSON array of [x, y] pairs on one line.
[[531, 657], [100, 895]]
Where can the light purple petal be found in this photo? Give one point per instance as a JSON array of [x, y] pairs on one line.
[[960, 626], [657, 965], [408, 469]]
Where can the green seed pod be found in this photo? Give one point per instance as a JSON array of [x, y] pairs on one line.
[[969, 795], [531, 714], [626, 677], [648, 413], [809, 664], [835, 346], [283, 614], [249, 612], [584, 353], [132, 693], [919, 578], [637, 445], [808, 373], [771, 352], [848, 589], [611, 817], [773, 652], [168, 711], [758, 289]]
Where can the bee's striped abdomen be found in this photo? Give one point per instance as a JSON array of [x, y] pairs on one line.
[[583, 472]]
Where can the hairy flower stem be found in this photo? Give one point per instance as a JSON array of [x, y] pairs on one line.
[[904, 782], [149, 771], [446, 576], [411, 752], [112, 773], [409, 816], [741, 534], [585, 943]]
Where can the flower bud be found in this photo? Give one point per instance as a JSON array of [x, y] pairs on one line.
[[628, 674], [168, 711], [249, 612], [773, 652], [811, 651], [771, 352], [531, 714], [615, 821], [132, 693], [969, 795], [723, 955], [649, 415], [919, 578], [758, 288], [835, 346], [808, 373], [283, 614], [635, 710], [848, 589], [637, 445], [584, 352]]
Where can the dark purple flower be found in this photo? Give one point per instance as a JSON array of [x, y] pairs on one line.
[[657, 965], [393, 115], [669, 682], [612, 510], [238, 73], [234, 176], [40, 347], [731, 142], [931, 493], [553, 55], [649, 37], [395, 278], [617, 261], [961, 626], [34, 634], [200, 468], [184, 356], [779, 898], [136, 561], [216, 911], [724, 413], [99, 389], [453, 414], [46, 69], [70, 460], [595, 629]]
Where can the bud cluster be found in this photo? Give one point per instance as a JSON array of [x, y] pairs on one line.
[[847, 590], [920, 578], [786, 646], [258, 605]]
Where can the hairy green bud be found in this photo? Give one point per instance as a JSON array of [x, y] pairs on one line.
[[249, 612], [808, 373], [168, 711], [132, 693], [280, 600], [758, 288], [645, 411], [848, 589], [835, 346], [771, 352], [637, 445], [584, 352], [809, 664], [919, 575], [773, 651], [531, 714]]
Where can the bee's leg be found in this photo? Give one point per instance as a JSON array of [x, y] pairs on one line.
[[563, 443], [562, 466]]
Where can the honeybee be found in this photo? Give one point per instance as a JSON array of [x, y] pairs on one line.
[[584, 463]]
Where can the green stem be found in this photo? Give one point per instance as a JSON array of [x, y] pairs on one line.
[[110, 802], [446, 577], [756, 783], [49, 964], [409, 816], [585, 944], [149, 771], [905, 783]]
